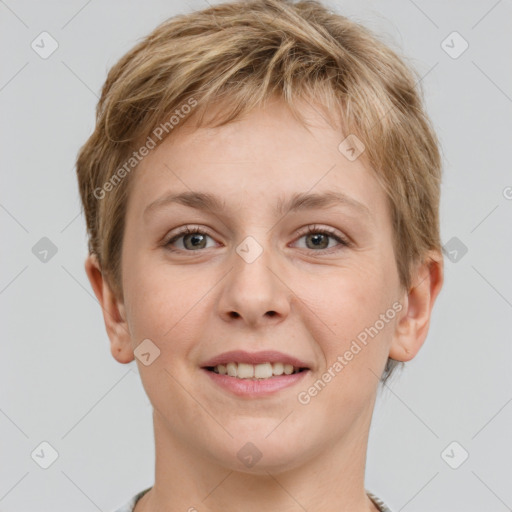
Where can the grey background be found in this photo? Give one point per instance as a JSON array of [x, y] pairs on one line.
[[59, 383]]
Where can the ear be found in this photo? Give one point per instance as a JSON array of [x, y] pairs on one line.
[[114, 313], [412, 326]]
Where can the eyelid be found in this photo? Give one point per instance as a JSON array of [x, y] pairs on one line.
[[185, 230], [310, 229], [343, 240]]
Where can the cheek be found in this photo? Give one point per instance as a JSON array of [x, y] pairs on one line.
[[356, 351], [155, 301], [353, 306], [167, 306], [355, 293]]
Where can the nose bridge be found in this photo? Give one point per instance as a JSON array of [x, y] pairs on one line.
[[253, 290]]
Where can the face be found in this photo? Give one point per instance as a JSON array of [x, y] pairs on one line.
[[259, 272]]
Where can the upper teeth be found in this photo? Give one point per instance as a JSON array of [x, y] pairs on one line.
[[258, 371]]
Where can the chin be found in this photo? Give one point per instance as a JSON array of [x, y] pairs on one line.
[[257, 455]]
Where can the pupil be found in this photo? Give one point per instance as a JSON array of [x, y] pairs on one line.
[[317, 239], [196, 240]]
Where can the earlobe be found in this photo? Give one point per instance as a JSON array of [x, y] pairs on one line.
[[413, 324], [114, 314]]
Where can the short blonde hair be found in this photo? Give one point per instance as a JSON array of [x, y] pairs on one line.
[[241, 54]]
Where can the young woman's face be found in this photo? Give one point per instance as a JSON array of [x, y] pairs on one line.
[[249, 277]]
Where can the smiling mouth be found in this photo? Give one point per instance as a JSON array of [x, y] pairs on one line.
[[255, 371]]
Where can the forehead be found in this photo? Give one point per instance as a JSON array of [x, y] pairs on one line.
[[258, 161]]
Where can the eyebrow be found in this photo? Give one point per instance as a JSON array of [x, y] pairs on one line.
[[297, 202]]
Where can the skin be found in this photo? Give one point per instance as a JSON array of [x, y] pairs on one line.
[[297, 298]]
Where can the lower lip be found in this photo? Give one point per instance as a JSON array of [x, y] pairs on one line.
[[255, 388]]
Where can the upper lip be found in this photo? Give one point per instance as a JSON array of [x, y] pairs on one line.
[[265, 356]]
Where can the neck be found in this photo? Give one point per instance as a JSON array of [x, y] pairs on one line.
[[188, 480]]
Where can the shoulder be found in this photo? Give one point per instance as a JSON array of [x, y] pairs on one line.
[[378, 502], [130, 504]]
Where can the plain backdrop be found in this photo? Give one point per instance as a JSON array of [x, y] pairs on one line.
[[59, 383]]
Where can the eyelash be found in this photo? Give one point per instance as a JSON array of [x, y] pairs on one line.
[[187, 230]]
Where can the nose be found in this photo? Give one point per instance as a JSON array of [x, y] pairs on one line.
[[254, 292]]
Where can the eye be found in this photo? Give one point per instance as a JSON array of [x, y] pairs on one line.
[[319, 238], [193, 239]]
